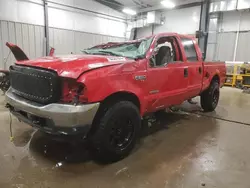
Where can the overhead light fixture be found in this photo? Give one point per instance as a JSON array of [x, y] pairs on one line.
[[196, 20], [168, 4], [129, 11]]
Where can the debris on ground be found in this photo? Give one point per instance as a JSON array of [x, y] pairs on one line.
[[246, 90]]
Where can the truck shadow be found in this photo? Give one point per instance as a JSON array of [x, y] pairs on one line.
[[160, 121], [166, 139], [42, 145]]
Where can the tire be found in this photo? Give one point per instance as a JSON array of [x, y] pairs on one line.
[[116, 131], [210, 97]]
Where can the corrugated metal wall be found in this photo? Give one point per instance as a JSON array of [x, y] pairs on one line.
[[66, 41], [225, 46], [243, 48], [229, 25], [222, 49], [31, 39], [212, 38], [28, 37]]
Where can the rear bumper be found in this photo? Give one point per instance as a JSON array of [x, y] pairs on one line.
[[52, 118]]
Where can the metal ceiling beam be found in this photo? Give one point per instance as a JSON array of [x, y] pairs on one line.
[[160, 8], [82, 9], [112, 4]]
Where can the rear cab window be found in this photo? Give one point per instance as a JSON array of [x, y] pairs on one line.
[[189, 49]]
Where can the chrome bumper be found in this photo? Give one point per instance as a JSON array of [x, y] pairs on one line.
[[62, 115]]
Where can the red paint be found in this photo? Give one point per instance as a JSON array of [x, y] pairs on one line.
[[71, 66], [110, 77], [71, 90], [52, 51], [18, 53]]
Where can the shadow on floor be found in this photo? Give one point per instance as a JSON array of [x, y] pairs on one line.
[[159, 121], [43, 145], [168, 139]]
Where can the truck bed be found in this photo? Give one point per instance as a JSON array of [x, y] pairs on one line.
[[209, 69]]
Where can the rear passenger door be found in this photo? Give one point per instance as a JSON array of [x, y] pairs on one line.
[[194, 63]]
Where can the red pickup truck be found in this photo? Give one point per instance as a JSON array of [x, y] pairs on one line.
[[104, 93]]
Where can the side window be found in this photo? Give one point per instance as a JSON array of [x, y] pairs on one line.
[[166, 51], [189, 48]]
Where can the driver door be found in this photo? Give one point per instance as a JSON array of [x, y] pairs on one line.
[[167, 82]]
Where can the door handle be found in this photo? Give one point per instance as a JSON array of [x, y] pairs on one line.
[[185, 72], [200, 70]]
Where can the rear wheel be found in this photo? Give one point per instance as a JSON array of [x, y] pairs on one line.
[[116, 131], [210, 97]]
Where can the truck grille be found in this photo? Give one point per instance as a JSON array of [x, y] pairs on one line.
[[38, 85]]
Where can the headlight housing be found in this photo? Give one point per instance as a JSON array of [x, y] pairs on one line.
[[73, 92]]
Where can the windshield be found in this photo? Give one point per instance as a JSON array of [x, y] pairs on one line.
[[133, 50]]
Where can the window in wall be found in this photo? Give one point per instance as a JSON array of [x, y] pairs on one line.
[[190, 50]]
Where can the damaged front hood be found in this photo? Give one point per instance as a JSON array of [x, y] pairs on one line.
[[72, 66]]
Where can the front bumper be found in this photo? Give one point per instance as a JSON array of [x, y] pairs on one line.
[[53, 118]]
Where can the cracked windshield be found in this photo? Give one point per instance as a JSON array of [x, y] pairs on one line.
[[132, 50]]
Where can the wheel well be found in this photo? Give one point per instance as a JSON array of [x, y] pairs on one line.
[[216, 78], [126, 96], [119, 96]]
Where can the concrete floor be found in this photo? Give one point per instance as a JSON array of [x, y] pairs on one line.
[[181, 150]]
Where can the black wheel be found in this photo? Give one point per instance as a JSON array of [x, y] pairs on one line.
[[210, 97], [116, 132]]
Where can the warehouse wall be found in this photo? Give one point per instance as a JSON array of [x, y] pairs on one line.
[[233, 33], [29, 37], [68, 41], [23, 11], [66, 17], [144, 32], [184, 21], [70, 27]]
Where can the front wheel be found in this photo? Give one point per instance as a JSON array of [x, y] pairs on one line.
[[116, 132], [210, 97]]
